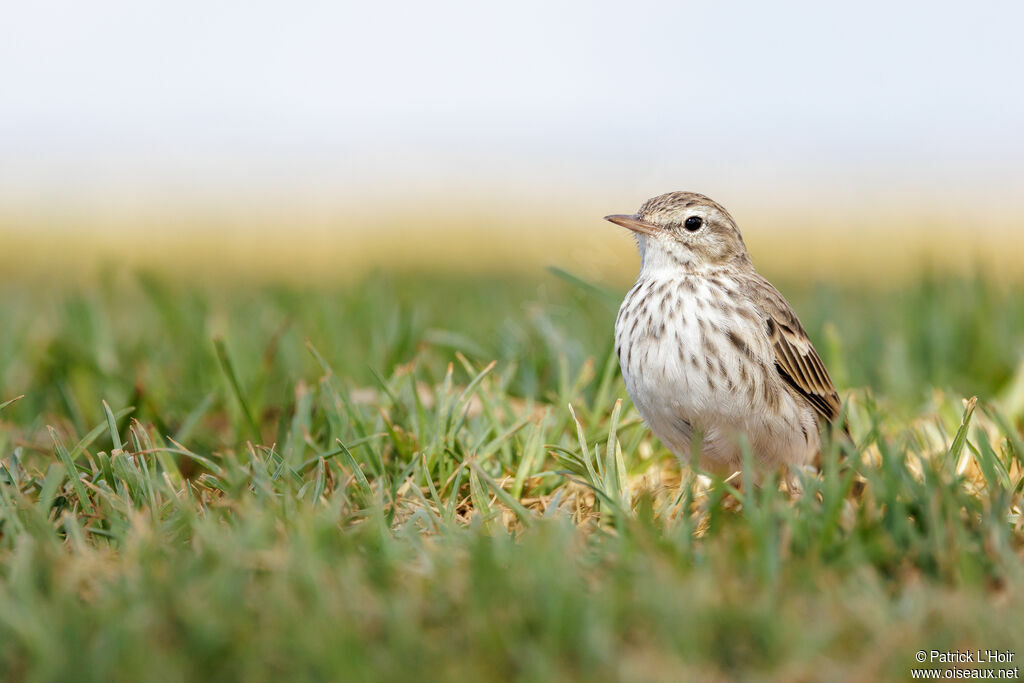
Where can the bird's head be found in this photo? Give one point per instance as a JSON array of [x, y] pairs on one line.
[[685, 230]]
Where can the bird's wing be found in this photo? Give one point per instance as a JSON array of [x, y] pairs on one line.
[[795, 357]]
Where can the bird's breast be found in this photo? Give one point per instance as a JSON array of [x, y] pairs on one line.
[[692, 350]]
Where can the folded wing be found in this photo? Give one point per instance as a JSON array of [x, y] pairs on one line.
[[795, 357]]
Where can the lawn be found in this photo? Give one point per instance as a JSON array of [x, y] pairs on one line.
[[430, 476]]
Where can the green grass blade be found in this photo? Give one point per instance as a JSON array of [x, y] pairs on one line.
[[11, 401], [72, 472], [524, 515], [115, 437], [229, 372]]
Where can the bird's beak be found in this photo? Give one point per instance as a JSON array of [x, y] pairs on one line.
[[633, 223]]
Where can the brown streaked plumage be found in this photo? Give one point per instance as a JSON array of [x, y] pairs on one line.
[[708, 346], [795, 357]]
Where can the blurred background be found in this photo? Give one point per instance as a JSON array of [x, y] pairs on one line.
[[326, 139]]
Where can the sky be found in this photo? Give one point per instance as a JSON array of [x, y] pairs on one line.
[[539, 99]]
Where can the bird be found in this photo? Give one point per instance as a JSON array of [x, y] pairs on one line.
[[711, 353]]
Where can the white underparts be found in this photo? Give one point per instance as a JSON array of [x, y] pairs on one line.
[[696, 357]]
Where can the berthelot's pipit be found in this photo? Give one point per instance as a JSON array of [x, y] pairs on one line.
[[710, 350]]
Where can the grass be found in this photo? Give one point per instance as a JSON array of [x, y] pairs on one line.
[[441, 477]]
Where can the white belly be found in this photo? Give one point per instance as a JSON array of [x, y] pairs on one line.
[[697, 360]]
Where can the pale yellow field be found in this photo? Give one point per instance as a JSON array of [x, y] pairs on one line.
[[337, 243]]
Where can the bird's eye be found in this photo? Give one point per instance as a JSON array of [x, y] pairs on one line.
[[693, 223]]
